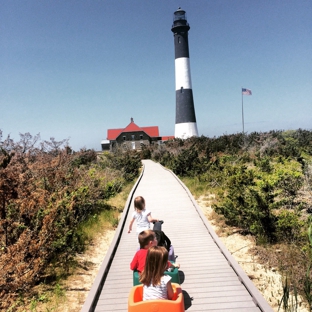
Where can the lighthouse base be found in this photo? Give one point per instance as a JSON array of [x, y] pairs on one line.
[[185, 130]]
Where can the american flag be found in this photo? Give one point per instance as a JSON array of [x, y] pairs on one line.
[[246, 91]]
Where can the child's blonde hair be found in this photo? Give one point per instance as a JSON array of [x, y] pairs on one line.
[[139, 203], [145, 237], [155, 265]]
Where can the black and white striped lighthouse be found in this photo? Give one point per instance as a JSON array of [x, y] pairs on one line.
[[185, 123]]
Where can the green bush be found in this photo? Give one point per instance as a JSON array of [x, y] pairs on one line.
[[254, 175], [289, 226]]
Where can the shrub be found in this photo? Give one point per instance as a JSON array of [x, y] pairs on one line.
[[45, 194], [289, 227]]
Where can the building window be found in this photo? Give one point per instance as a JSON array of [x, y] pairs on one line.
[[133, 137], [124, 138], [141, 136]]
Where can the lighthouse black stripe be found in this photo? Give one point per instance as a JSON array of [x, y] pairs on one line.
[[181, 45], [185, 111]]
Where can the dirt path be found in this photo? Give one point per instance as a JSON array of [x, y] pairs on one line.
[[78, 285], [267, 280]]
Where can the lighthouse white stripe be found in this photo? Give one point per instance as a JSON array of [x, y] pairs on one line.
[[183, 73], [185, 130]]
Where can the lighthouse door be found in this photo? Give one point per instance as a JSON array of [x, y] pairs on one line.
[[133, 145]]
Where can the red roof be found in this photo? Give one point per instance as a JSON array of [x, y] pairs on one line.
[[151, 131], [112, 134], [166, 138]]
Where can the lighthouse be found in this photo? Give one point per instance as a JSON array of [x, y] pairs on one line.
[[185, 122]]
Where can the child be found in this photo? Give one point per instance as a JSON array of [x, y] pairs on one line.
[[163, 240], [147, 239], [156, 285], [142, 216]]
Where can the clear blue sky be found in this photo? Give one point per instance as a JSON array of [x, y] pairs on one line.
[[73, 69]]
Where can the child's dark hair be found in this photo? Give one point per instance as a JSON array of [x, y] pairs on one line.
[[163, 239], [155, 265], [145, 237], [139, 203]]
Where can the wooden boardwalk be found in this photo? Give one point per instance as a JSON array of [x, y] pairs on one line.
[[210, 277]]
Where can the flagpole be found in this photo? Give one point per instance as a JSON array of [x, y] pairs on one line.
[[243, 110]]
